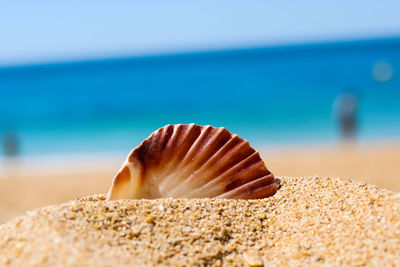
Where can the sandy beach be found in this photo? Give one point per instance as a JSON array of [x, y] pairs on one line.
[[25, 186], [200, 134], [309, 221]]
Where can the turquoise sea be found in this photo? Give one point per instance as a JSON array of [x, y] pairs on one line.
[[271, 95]]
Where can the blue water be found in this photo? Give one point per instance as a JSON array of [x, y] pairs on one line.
[[269, 95]]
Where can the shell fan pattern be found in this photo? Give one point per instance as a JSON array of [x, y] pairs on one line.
[[193, 161]]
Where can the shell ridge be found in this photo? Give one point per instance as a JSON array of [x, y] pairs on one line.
[[196, 144], [200, 174], [170, 169], [176, 142], [153, 152], [170, 144], [191, 130], [200, 162], [217, 180], [209, 137], [143, 143], [207, 147], [190, 161], [160, 139], [250, 188], [228, 159], [216, 158]]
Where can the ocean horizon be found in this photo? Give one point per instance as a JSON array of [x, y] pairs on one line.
[[270, 96]]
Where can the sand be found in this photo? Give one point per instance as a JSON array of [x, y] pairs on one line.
[[373, 163], [310, 221], [27, 185]]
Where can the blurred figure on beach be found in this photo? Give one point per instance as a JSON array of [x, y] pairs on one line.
[[11, 150], [10, 144], [345, 113]]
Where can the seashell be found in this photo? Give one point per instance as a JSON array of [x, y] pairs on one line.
[[193, 161]]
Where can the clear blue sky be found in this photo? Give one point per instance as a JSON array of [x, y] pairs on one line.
[[49, 30]]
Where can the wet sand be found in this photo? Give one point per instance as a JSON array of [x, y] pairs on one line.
[[310, 221], [25, 186]]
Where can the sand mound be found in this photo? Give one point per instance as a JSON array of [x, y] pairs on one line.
[[310, 221]]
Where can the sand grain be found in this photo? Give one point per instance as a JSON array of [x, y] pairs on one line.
[[310, 221]]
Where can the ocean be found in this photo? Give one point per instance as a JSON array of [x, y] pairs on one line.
[[270, 96]]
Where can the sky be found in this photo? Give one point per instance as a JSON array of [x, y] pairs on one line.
[[49, 31]]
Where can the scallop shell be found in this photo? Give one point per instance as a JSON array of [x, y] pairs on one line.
[[193, 161]]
